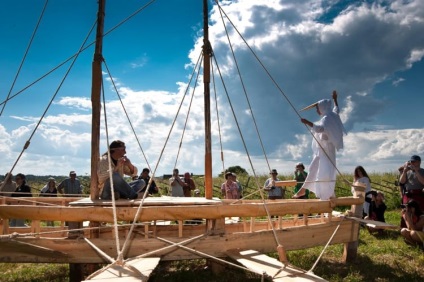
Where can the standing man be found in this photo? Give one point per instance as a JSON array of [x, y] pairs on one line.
[[274, 192], [300, 176], [71, 185], [120, 165], [328, 137], [189, 184], [176, 184], [413, 178]]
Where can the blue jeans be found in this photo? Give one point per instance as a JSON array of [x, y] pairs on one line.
[[126, 190]]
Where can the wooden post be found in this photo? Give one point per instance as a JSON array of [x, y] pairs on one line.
[[350, 251]]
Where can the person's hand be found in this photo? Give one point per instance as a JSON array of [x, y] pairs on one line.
[[334, 94], [121, 161]]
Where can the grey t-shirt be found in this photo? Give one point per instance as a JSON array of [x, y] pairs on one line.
[[412, 182]]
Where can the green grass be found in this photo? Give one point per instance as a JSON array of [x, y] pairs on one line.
[[380, 258]]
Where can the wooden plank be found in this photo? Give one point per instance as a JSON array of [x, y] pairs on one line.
[[375, 224], [169, 212], [121, 273], [78, 251], [271, 267]]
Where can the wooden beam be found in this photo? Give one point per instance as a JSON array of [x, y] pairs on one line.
[[78, 251], [149, 213]]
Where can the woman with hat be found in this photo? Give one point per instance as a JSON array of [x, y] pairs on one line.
[[414, 219], [274, 192], [49, 190]]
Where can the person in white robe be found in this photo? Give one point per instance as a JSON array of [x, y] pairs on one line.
[[328, 137]]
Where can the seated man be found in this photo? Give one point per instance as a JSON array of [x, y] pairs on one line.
[[120, 166], [153, 189]]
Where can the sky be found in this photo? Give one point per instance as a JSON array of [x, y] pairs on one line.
[[371, 52]]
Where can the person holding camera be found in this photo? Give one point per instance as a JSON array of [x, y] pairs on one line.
[[176, 184], [413, 179], [414, 219], [229, 188], [274, 192], [377, 208]]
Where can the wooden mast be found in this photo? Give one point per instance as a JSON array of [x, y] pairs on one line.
[[207, 53], [96, 101]]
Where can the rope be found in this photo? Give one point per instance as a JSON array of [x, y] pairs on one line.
[[275, 84], [249, 158], [27, 143], [112, 188], [217, 117], [188, 112], [82, 50], [325, 247], [25, 54], [244, 89]]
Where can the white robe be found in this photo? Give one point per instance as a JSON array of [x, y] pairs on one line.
[[328, 132]]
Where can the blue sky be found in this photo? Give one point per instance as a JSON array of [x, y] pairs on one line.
[[369, 51]]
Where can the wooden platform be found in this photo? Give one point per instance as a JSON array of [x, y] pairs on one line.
[[150, 201], [263, 264], [119, 273], [375, 224]]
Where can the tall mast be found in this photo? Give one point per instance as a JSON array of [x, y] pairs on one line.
[[96, 101], [207, 52]]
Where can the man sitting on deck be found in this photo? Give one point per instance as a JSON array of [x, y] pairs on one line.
[[120, 166]]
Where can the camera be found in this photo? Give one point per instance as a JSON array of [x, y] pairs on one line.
[[403, 206]]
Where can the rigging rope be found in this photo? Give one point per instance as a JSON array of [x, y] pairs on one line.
[[24, 57], [279, 88], [112, 188], [217, 117], [188, 112], [27, 143], [73, 56], [249, 158], [244, 90]]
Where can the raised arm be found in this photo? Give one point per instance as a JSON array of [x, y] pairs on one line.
[[335, 98]]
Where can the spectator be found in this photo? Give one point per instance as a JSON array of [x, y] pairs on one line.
[[414, 218], [413, 178], [120, 165], [49, 190], [22, 190], [402, 187], [377, 207], [189, 185], [153, 188], [71, 185], [328, 137], [300, 176], [176, 184], [240, 188], [360, 175], [229, 188], [8, 186], [274, 192]]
